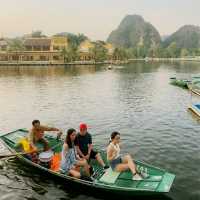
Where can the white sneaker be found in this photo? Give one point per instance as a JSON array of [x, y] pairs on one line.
[[137, 177], [144, 175]]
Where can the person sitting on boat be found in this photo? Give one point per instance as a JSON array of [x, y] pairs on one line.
[[36, 134], [71, 162], [84, 148], [117, 162]]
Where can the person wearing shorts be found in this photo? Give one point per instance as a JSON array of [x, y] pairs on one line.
[[83, 143], [120, 163], [36, 135]]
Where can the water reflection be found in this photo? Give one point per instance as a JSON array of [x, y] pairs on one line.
[[135, 99], [18, 182], [41, 71]]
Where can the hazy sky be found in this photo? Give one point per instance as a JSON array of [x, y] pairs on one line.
[[95, 18]]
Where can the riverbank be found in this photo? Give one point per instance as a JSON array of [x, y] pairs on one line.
[[165, 59], [49, 63], [111, 62]]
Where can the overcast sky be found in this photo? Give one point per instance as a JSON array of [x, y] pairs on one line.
[[95, 18]]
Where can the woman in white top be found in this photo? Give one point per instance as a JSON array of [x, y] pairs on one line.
[[120, 163]]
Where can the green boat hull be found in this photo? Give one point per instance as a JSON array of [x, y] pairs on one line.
[[194, 87], [180, 82], [158, 181]]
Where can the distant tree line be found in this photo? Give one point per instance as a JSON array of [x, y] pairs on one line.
[[172, 51], [99, 53]]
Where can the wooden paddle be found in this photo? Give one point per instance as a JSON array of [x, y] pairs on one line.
[[24, 153], [15, 154]]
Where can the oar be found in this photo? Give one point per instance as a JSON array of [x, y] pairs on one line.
[[12, 155]]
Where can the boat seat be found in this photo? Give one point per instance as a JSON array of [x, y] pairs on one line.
[[109, 176]]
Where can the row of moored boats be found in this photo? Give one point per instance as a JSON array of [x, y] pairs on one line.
[[193, 85]]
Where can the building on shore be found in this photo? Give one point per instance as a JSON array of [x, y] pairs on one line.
[[58, 43], [49, 50], [47, 57], [38, 49], [110, 48], [84, 50], [86, 46], [3, 45], [37, 44]]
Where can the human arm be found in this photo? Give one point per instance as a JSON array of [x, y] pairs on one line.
[[79, 151], [78, 157], [89, 151], [89, 147], [46, 128], [65, 149], [31, 140], [111, 153]]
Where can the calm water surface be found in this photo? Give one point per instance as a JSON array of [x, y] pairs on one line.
[[135, 99]]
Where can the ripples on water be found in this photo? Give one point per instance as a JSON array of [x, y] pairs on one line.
[[135, 99]]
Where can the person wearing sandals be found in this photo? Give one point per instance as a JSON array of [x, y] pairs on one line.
[[117, 162], [71, 162]]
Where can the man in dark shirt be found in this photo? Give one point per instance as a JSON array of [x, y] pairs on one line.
[[83, 143]]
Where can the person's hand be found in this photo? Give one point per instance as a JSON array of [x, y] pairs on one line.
[[78, 157], [87, 157], [83, 157], [34, 149], [73, 167]]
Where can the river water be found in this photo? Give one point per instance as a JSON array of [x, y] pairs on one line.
[[135, 99]]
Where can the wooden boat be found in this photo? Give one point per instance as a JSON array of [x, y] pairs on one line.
[[195, 91], [180, 82], [157, 182], [194, 87], [195, 108]]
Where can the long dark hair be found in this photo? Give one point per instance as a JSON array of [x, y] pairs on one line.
[[67, 139], [113, 135]]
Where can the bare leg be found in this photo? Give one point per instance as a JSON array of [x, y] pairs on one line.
[[127, 159], [74, 173], [85, 165], [100, 160], [121, 167]]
